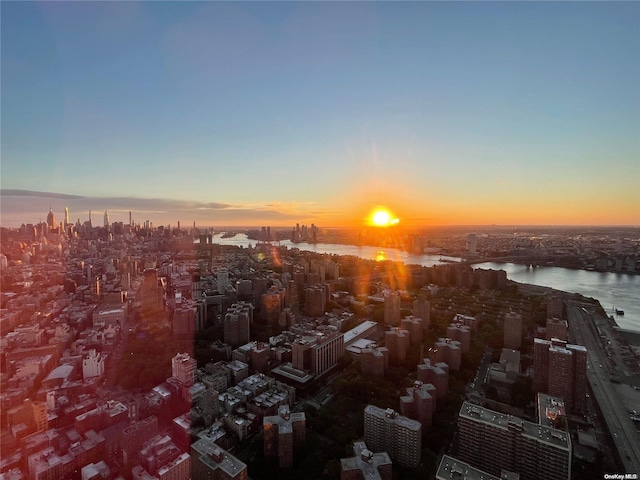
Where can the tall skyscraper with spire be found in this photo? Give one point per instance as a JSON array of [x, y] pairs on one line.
[[66, 216], [51, 219], [106, 218]]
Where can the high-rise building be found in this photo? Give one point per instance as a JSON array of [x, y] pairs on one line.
[[318, 353], [222, 280], [512, 330], [560, 369], [414, 326], [66, 216], [291, 298], [400, 437], [448, 351], [556, 328], [392, 309], [366, 464], [186, 320], [419, 403], [40, 416], [183, 368], [472, 243], [397, 341], [284, 433], [555, 306], [460, 333], [237, 323], [106, 219], [492, 441], [422, 310], [152, 294], [436, 374], [315, 300], [51, 219], [271, 304], [374, 360]]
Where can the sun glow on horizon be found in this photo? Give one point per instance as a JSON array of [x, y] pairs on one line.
[[381, 217]]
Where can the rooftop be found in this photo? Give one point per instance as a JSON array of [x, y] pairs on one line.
[[352, 334], [541, 433], [215, 457], [366, 461], [451, 468], [393, 416]]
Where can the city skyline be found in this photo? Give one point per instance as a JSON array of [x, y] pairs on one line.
[[279, 113]]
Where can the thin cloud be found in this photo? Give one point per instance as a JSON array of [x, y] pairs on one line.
[[27, 206], [9, 192]]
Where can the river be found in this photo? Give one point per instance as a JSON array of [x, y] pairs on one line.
[[618, 290]]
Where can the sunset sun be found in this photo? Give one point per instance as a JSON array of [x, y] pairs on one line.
[[381, 217]]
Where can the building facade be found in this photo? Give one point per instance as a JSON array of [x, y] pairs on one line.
[[400, 437], [512, 330], [419, 403], [560, 369], [183, 368], [237, 324], [392, 309], [284, 433], [492, 441]]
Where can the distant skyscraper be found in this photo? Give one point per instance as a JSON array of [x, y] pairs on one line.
[[51, 219], [131, 219], [472, 242], [106, 218], [66, 216]]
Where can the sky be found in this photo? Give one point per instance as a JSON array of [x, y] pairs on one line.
[[249, 113]]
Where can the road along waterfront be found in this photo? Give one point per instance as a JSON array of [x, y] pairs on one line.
[[625, 437]]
